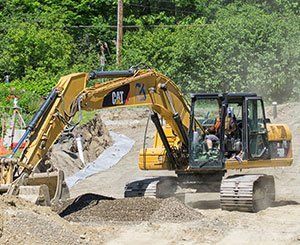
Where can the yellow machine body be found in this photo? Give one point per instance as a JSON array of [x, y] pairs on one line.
[[155, 158]]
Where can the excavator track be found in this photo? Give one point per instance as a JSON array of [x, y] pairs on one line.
[[247, 193], [142, 188], [156, 187]]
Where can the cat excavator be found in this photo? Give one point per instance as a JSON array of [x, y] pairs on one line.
[[180, 141]]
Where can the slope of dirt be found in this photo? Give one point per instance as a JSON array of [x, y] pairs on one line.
[[25, 223], [135, 210], [112, 181], [95, 139]]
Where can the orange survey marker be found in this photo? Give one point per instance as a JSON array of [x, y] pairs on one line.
[[3, 151]]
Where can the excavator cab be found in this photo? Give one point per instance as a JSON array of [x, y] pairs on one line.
[[240, 135]]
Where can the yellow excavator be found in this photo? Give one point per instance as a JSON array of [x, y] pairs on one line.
[[181, 143]]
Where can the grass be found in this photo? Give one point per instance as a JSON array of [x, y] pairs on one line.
[[86, 117]]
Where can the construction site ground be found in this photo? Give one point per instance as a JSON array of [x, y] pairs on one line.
[[152, 221]]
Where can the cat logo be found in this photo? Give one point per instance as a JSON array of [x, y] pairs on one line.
[[118, 96]]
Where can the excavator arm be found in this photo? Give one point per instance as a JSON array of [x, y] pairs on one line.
[[72, 94]]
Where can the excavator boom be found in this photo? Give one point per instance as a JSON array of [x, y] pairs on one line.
[[72, 94]]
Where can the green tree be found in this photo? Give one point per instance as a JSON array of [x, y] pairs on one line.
[[245, 48]]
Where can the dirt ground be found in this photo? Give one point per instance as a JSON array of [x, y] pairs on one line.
[[144, 221], [279, 224]]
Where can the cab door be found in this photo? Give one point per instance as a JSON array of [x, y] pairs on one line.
[[256, 130]]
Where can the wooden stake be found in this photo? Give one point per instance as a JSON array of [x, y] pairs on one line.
[[119, 31]]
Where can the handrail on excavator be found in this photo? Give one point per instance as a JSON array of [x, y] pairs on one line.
[[111, 74]]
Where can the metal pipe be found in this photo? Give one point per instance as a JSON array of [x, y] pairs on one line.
[[176, 116], [45, 106], [111, 74], [80, 149]]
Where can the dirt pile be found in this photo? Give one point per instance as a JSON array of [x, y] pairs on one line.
[[95, 139], [134, 210], [22, 222]]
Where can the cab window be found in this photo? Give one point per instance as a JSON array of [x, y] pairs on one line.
[[257, 133]]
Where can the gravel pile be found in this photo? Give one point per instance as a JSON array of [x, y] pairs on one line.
[[22, 222], [134, 210], [173, 210]]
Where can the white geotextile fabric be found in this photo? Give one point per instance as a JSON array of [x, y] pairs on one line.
[[109, 157]]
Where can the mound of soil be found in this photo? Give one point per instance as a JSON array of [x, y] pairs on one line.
[[22, 222], [134, 210], [95, 139]]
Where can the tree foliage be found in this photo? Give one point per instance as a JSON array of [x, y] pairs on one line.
[[204, 45], [245, 48]]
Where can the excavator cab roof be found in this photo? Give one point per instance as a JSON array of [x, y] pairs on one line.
[[231, 95]]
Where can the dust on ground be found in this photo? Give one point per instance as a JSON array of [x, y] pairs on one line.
[[277, 224], [95, 139]]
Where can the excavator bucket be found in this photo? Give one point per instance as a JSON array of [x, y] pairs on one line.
[[45, 188]]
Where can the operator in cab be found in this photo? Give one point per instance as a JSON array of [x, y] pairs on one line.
[[213, 133]]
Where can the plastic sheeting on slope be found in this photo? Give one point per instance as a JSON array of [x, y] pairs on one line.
[[109, 157]]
